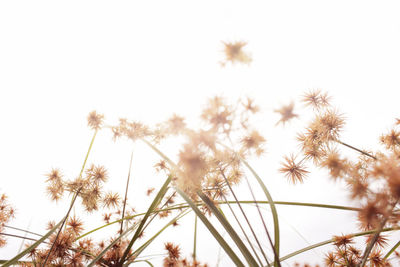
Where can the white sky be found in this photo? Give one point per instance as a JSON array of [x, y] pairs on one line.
[[145, 60]]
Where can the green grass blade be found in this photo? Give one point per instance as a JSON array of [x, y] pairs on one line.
[[195, 237], [235, 237], [146, 261], [326, 242], [151, 209], [273, 210], [211, 228], [392, 250], [182, 205], [33, 246]]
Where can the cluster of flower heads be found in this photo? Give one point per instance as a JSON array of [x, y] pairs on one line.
[[174, 258], [373, 178], [318, 140], [6, 214], [346, 254], [205, 163], [64, 248], [89, 188]]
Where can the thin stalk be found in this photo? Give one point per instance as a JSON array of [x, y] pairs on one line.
[[126, 192], [326, 242], [150, 210], [273, 210], [356, 149], [21, 237], [22, 230], [264, 224], [244, 233], [212, 229], [392, 250], [232, 233], [371, 244], [181, 206], [247, 220], [195, 237]]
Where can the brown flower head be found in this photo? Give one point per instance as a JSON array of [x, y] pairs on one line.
[[286, 113], [253, 142], [95, 120], [75, 225], [234, 53], [111, 200], [391, 140], [315, 99], [295, 172], [336, 166]]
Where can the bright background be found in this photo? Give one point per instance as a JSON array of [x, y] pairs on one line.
[[145, 60]]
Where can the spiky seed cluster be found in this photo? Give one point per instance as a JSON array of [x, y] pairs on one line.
[[345, 254], [174, 258], [6, 214], [90, 188], [67, 252], [234, 53], [202, 158], [316, 99], [95, 120], [55, 188], [295, 172], [379, 204], [286, 113]]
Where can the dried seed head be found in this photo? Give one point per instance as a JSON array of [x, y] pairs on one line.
[[234, 53], [286, 113], [95, 120], [295, 172]]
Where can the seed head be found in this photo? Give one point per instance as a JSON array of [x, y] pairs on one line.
[[95, 120], [295, 172]]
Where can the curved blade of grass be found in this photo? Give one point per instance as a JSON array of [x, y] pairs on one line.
[[211, 228], [153, 206], [33, 246], [146, 261], [235, 237], [182, 205], [273, 210], [326, 242]]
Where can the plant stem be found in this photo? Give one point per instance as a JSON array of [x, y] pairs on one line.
[[247, 220], [356, 149], [126, 192], [195, 238]]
